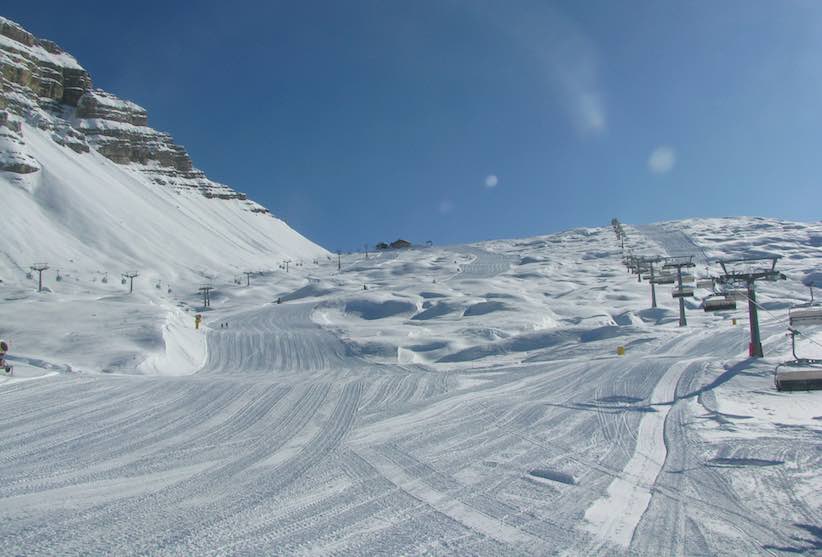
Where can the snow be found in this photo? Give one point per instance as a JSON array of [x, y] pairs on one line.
[[107, 99], [62, 59], [616, 515], [469, 400]]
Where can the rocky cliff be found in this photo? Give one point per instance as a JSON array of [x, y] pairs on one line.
[[45, 87]]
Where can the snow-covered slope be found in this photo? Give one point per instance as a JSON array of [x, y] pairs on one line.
[[449, 400], [88, 188], [85, 214], [465, 400]]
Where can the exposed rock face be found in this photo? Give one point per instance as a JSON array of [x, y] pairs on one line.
[[13, 155], [44, 86]]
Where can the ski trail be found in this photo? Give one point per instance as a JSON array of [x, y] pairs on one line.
[[674, 242], [615, 516], [449, 506]]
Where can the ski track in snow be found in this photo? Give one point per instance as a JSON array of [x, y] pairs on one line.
[[616, 516], [289, 441]]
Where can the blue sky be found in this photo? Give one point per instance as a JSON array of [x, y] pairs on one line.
[[453, 121]]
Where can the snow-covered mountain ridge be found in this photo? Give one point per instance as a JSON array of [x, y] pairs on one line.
[[87, 185], [46, 87]]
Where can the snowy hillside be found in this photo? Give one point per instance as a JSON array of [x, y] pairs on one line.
[[445, 400], [89, 188]]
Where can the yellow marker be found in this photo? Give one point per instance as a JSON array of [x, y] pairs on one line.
[[733, 321], [620, 350], [197, 319]]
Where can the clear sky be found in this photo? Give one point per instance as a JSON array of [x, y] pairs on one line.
[[451, 121]]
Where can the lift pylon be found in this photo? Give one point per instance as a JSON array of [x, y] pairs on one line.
[[678, 263], [746, 271]]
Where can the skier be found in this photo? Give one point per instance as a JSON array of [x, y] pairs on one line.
[[4, 348]]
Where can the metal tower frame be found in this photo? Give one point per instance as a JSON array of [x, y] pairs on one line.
[[39, 268], [679, 262], [130, 275], [206, 291], [757, 268], [646, 263]]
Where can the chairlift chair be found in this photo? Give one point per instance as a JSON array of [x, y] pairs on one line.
[[683, 292], [705, 283], [718, 303], [664, 278], [800, 374], [802, 316], [738, 294]]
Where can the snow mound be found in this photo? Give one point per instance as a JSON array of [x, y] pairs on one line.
[[371, 308], [438, 309], [484, 308], [311, 290]]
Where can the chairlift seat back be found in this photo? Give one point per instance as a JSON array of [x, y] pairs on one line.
[[805, 316], [684, 292], [799, 380], [719, 304]]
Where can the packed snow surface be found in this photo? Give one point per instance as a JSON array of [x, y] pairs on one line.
[[462, 400]]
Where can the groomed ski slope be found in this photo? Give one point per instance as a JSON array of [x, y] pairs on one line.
[[501, 422]]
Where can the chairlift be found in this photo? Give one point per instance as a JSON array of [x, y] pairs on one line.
[[738, 294], [123, 280], [705, 283], [808, 315], [687, 279], [29, 276], [718, 303], [664, 278], [683, 292], [104, 280], [800, 374]]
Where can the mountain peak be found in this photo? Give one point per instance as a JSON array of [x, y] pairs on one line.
[[46, 87], [102, 189]]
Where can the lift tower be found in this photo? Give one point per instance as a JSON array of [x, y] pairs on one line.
[[680, 262], [646, 264], [130, 275], [39, 268], [248, 277], [205, 290], [747, 271]]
